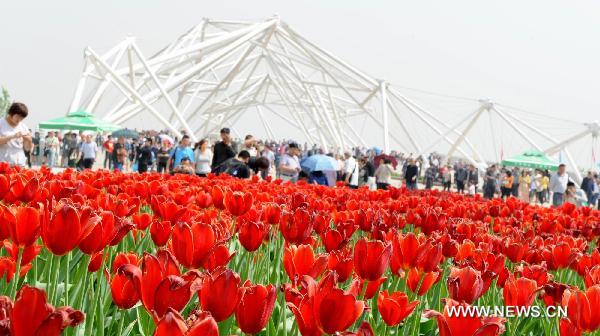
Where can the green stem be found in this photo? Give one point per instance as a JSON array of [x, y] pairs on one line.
[[15, 279]]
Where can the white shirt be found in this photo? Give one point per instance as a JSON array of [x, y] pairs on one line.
[[291, 162], [350, 167], [203, 161], [12, 151], [89, 150], [558, 184]]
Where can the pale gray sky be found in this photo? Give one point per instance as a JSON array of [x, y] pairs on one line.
[[542, 56]]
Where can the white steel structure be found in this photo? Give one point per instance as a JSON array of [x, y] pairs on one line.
[[219, 71]]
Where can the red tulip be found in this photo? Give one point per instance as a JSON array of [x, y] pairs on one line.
[[271, 213], [414, 278], [24, 226], [123, 259], [123, 290], [301, 260], [8, 268], [32, 315], [142, 220], [465, 284], [404, 252], [341, 262], [28, 254], [95, 262], [581, 308], [220, 293], [255, 307], [191, 245], [65, 229], [100, 235], [371, 258], [172, 324], [519, 292], [252, 234], [326, 308], [237, 203], [394, 308], [592, 277], [460, 324], [296, 227], [160, 232]]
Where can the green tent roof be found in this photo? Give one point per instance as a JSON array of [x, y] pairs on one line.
[[531, 159], [80, 120]]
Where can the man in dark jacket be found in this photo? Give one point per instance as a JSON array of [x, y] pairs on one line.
[[411, 175], [460, 177], [223, 149], [145, 156], [587, 185]]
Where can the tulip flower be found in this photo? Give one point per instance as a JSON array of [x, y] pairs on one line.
[[301, 260], [142, 220], [341, 262], [101, 234], [65, 229], [371, 258], [462, 325], [465, 284], [519, 292], [160, 232], [220, 293], [23, 226], [255, 307], [237, 203], [191, 244], [252, 234], [296, 227], [32, 315], [426, 280], [172, 324], [581, 308], [394, 307], [326, 308], [123, 290]]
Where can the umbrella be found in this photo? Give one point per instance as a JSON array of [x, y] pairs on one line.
[[531, 159], [126, 133], [166, 137], [378, 159], [319, 163], [80, 120]]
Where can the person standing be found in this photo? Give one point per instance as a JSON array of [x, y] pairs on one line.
[[223, 149], [383, 174], [270, 155], [250, 145], [507, 184], [144, 158], [473, 177], [461, 178], [89, 150], [410, 176], [108, 147], [14, 135], [179, 152], [539, 187], [587, 185], [289, 166], [52, 147], [429, 177], [162, 157], [524, 186], [351, 171], [203, 158], [558, 185], [120, 154], [489, 187]]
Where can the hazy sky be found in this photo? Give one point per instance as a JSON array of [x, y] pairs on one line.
[[543, 56]]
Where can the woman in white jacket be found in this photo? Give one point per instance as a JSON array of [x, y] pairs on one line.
[[383, 174]]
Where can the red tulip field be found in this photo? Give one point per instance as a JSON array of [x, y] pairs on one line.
[[102, 253]]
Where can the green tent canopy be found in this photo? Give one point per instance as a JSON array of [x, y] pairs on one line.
[[531, 159], [80, 120]]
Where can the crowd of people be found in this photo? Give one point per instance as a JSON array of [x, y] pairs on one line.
[[152, 151]]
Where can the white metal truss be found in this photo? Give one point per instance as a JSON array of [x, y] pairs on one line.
[[219, 71]]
